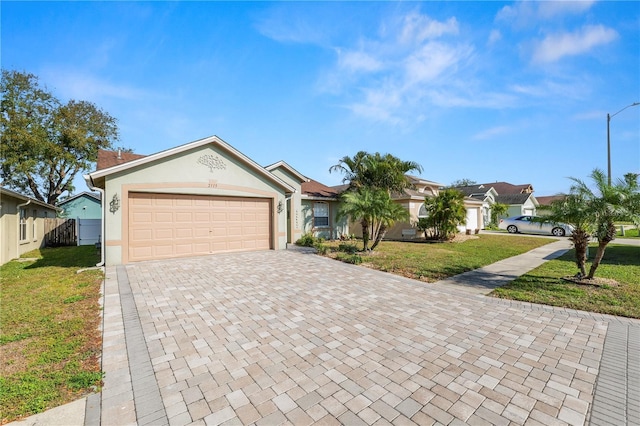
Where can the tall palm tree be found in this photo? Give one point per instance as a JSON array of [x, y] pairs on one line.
[[376, 171]]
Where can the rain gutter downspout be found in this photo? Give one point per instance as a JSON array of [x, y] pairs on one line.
[[19, 207], [89, 180]]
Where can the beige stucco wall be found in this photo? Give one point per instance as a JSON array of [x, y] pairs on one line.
[[184, 173], [9, 230], [293, 206]]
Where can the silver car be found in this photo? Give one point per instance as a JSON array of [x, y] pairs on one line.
[[534, 225]]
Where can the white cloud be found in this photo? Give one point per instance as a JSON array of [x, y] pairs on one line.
[[417, 28], [495, 36], [358, 61], [527, 14], [556, 46], [491, 133], [432, 60]]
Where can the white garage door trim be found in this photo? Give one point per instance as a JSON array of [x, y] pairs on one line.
[[164, 226]]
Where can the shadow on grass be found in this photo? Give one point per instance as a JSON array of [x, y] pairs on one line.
[[617, 255], [67, 257]]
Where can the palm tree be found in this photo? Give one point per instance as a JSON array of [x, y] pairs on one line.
[[388, 213], [594, 213], [445, 212], [574, 210], [356, 205], [497, 210], [376, 171]]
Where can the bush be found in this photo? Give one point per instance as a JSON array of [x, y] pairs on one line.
[[308, 240], [347, 248], [321, 248], [354, 259]]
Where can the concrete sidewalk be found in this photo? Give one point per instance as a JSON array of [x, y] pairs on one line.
[[189, 342]]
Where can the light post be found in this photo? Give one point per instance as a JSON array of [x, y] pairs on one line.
[[609, 117]]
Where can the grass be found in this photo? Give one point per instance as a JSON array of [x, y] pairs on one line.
[[545, 285], [50, 341], [435, 261]]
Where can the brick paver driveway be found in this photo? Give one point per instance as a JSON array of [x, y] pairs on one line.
[[281, 337]]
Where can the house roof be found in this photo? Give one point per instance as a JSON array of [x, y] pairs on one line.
[[548, 199], [287, 167], [418, 180], [507, 188], [123, 165], [4, 192], [314, 189], [94, 195], [108, 159], [515, 199]]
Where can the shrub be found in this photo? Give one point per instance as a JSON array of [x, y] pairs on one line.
[[320, 248], [347, 248], [354, 259], [308, 240]]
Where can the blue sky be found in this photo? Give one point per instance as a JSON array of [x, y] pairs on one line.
[[488, 91]]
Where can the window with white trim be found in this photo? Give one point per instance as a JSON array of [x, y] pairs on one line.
[[320, 214], [23, 224]]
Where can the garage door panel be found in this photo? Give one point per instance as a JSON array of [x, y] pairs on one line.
[[169, 225]]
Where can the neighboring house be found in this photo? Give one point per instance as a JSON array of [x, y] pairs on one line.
[[85, 205], [544, 203], [22, 227], [486, 196], [519, 204], [199, 198], [413, 201], [518, 198], [320, 205]]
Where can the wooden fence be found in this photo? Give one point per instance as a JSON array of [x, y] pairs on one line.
[[60, 232]]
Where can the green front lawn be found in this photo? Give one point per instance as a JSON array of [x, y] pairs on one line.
[[50, 341], [435, 261], [545, 284]]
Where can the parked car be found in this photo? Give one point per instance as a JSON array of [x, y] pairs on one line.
[[534, 225]]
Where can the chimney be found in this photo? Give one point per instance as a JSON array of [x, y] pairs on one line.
[[119, 154]]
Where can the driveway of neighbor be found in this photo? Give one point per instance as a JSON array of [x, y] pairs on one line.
[[276, 337]]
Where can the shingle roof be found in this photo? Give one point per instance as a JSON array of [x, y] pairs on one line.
[[314, 188], [512, 198], [508, 188], [108, 159], [548, 199]]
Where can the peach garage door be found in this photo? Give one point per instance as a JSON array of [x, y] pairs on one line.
[[170, 225]]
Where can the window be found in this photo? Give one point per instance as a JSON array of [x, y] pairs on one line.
[[423, 211], [320, 215], [23, 224]]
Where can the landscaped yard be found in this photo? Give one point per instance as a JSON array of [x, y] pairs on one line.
[[434, 261], [545, 285], [50, 341]]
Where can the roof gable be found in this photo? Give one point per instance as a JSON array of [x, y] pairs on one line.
[[508, 188], [283, 165], [211, 140], [88, 195]]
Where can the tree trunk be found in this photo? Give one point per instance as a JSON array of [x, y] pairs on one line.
[[365, 233], [580, 241], [608, 236], [381, 233]]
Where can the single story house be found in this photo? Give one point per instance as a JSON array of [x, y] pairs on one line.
[[413, 201], [200, 198], [85, 205], [22, 224], [518, 198]]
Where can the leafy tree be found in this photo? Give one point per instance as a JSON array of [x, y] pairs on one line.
[[497, 210], [463, 182], [45, 143], [445, 212]]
